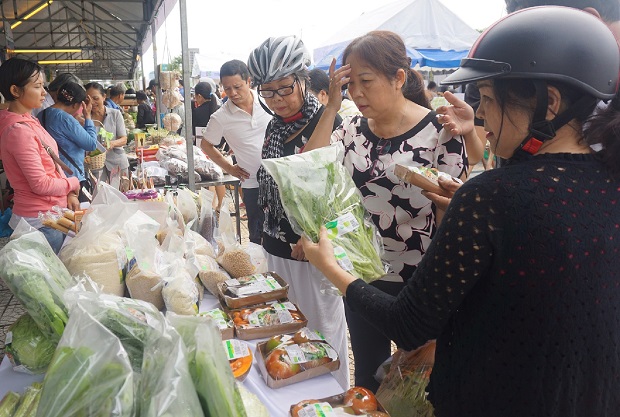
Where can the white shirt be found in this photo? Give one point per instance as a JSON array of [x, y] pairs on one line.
[[244, 134]]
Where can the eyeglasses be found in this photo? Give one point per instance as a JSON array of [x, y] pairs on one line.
[[382, 148], [282, 91]]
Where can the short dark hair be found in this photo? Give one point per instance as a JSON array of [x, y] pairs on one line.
[[608, 9], [116, 91], [141, 96], [204, 89], [431, 85], [235, 67], [18, 72], [319, 81], [71, 93], [62, 79], [97, 87]]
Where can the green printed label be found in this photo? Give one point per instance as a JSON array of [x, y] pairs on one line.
[[341, 226]]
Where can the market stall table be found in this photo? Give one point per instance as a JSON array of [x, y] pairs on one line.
[[277, 401]]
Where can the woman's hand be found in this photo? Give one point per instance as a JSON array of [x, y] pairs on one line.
[[298, 251], [321, 255], [337, 78], [441, 201], [73, 203], [87, 107], [458, 118]]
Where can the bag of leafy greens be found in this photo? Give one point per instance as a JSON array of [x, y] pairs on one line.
[[90, 374], [167, 389], [28, 349], [208, 365], [36, 276], [316, 190]]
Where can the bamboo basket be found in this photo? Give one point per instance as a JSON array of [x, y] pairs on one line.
[[95, 162]]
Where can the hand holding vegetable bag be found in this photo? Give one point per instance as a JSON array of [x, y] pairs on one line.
[[316, 190], [90, 374], [35, 275]]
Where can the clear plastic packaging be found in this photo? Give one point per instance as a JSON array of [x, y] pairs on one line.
[[316, 190]]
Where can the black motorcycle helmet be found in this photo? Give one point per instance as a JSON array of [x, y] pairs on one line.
[[548, 43]]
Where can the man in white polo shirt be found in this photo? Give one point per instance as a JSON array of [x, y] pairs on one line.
[[242, 122]]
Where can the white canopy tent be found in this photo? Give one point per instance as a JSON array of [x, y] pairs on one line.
[[427, 27], [209, 65]]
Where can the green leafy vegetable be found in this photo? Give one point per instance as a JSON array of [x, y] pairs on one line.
[[36, 276], [27, 347], [167, 389], [9, 404], [209, 367], [316, 190]]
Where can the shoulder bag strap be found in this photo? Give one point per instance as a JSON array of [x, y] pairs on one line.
[[59, 164]]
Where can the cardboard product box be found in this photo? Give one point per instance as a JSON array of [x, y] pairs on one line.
[[250, 333], [261, 357], [265, 283], [337, 401]]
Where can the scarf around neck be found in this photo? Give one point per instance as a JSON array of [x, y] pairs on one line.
[[278, 132]]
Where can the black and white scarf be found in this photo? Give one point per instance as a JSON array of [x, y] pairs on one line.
[[277, 133]]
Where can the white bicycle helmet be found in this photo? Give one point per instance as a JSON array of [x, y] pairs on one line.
[[277, 58]]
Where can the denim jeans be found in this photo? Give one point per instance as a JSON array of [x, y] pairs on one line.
[[54, 237]]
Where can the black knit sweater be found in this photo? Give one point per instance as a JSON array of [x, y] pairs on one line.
[[521, 289]]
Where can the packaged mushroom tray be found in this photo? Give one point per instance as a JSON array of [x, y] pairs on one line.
[[266, 320], [288, 359], [356, 401], [253, 289]]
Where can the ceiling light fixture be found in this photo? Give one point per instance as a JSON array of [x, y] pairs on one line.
[[42, 51], [32, 13], [66, 61]]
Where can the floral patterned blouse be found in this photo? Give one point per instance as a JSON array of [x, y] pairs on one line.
[[405, 218]]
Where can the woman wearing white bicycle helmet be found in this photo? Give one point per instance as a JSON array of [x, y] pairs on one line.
[[520, 285], [278, 67]]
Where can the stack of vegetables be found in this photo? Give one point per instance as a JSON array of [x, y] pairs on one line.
[[15, 405], [316, 190]]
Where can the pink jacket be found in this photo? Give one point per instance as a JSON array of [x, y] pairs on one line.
[[30, 170]]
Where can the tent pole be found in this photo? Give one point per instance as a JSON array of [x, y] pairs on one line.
[[189, 134], [157, 89]]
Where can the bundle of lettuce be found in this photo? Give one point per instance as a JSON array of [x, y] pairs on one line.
[[90, 373], [36, 276], [28, 349], [316, 190]]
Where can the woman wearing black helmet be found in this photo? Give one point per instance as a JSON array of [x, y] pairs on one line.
[[520, 285], [278, 67]]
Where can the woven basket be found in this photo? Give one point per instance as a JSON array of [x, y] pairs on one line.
[[95, 162]]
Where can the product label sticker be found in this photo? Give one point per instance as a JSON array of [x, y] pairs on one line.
[[342, 258], [317, 410], [295, 354], [235, 349], [287, 305], [284, 316], [330, 351], [254, 318], [311, 334], [341, 226]]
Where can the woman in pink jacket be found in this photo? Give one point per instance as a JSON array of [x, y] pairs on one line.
[[29, 153]]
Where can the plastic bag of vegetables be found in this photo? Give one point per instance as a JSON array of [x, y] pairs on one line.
[[90, 374], [316, 190], [131, 321], [167, 389], [403, 390], [208, 365], [28, 349], [35, 275]]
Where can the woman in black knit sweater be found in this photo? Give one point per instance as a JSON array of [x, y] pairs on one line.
[[521, 284]]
